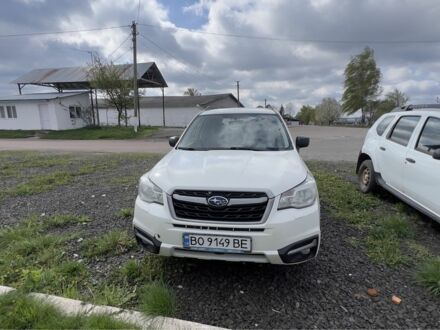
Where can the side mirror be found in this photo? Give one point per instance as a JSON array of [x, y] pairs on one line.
[[173, 140], [302, 142], [436, 154]]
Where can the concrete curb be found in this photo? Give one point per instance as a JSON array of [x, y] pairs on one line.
[[74, 307]]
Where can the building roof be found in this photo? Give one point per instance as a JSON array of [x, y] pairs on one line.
[[76, 78], [202, 101], [38, 96]]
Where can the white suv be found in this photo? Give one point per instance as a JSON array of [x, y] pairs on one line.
[[401, 153], [232, 188]]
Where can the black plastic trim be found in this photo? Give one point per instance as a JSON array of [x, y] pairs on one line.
[[142, 238], [299, 257]]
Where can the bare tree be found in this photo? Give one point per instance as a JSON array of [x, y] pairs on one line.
[[192, 92], [108, 79]]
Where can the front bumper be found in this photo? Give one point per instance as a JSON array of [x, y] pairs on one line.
[[288, 236]]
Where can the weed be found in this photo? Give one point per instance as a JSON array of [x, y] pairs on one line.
[[157, 299], [150, 269], [125, 213], [113, 295], [114, 242], [428, 275], [419, 250]]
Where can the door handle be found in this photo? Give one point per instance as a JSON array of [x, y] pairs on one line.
[[410, 160], [382, 148]]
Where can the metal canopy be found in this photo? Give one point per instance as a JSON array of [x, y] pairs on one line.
[[77, 78]]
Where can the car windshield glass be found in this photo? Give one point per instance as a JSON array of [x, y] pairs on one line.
[[259, 132]]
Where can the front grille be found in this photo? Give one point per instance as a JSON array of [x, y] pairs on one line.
[[242, 229], [227, 194], [199, 210]]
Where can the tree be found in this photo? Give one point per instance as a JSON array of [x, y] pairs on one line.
[[192, 92], [397, 97], [383, 107], [107, 78], [306, 115], [328, 111], [282, 110], [362, 79]]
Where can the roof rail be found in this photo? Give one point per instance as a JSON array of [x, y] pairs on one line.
[[411, 107]]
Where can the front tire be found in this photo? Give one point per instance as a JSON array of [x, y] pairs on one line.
[[367, 177]]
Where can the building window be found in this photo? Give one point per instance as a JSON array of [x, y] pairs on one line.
[[11, 111], [75, 112], [2, 112]]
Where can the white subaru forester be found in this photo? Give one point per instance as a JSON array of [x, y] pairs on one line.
[[401, 153], [232, 188]]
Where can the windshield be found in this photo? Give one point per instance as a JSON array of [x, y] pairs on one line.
[[259, 132]]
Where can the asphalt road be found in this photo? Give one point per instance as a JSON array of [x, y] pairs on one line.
[[327, 143]]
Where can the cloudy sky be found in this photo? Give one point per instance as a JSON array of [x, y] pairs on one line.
[[285, 51]]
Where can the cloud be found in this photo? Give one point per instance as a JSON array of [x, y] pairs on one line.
[[302, 59]]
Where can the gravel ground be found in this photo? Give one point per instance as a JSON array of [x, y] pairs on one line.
[[329, 292]]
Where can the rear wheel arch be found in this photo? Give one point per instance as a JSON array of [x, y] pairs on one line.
[[362, 157]]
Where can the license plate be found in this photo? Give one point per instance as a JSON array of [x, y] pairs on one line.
[[217, 243]]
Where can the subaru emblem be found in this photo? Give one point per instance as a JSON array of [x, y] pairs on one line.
[[218, 201]]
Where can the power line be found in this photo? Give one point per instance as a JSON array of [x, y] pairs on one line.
[[273, 38], [122, 54], [186, 66], [117, 48], [61, 32]]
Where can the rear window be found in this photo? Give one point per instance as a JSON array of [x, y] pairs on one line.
[[430, 138], [404, 129], [383, 125]]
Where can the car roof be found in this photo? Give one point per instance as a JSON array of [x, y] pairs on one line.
[[430, 111], [237, 111]]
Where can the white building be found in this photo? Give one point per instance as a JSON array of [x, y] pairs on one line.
[[176, 111], [44, 111]]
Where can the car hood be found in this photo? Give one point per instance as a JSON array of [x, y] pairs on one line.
[[273, 172]]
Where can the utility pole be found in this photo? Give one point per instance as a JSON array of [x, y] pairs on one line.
[[265, 103], [238, 93], [135, 80]]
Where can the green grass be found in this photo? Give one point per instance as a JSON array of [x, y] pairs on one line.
[[15, 134], [33, 260], [18, 311], [126, 180], [135, 272], [126, 213], [113, 243], [386, 230], [157, 299], [42, 183], [97, 133], [64, 220], [428, 275]]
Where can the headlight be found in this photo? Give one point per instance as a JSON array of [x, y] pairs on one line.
[[300, 196], [149, 192]]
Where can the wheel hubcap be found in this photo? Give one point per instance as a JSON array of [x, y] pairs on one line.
[[366, 175]]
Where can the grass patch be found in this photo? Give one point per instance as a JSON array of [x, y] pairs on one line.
[[18, 311], [41, 183], [15, 134], [386, 231], [157, 299], [97, 133], [64, 219], [125, 213], [428, 275], [126, 180], [114, 242], [135, 272], [32, 260]]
